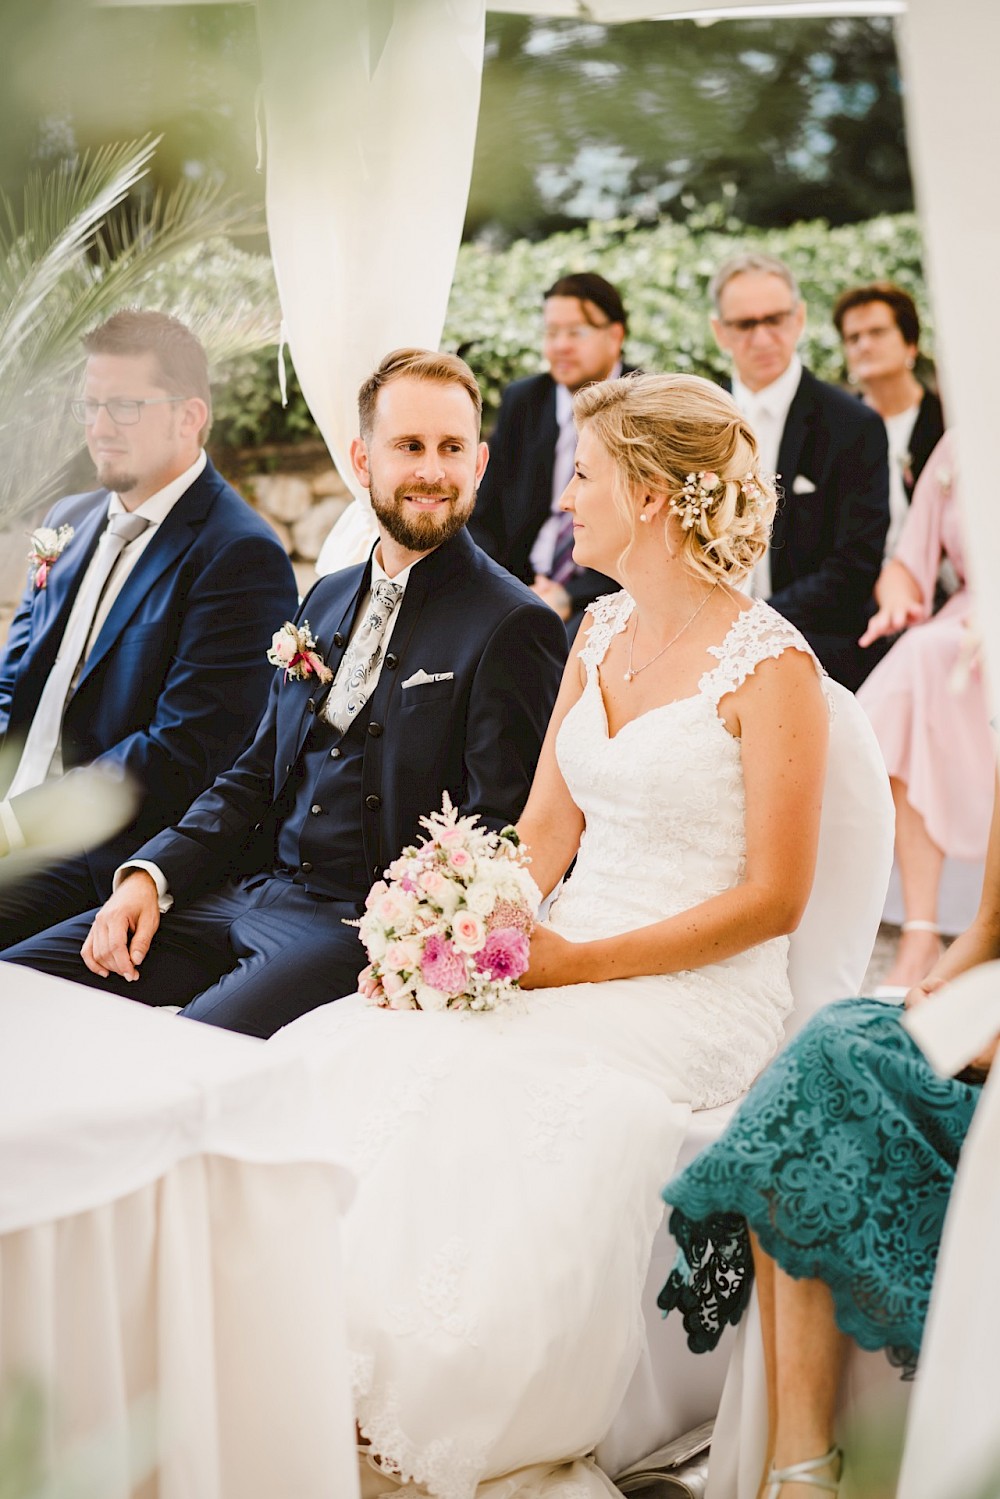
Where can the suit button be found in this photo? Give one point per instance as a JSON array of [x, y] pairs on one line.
[[391, 662], [311, 705], [306, 867], [288, 769], [335, 753], [338, 640], [315, 809], [374, 730], [373, 803], [377, 871]]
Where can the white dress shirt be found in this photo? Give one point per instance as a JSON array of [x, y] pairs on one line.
[[379, 575], [899, 430], [767, 412], [31, 770]]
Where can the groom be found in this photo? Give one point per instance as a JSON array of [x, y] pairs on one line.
[[429, 668]]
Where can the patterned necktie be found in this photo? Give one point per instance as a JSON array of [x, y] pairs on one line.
[[352, 688], [46, 726], [563, 567]]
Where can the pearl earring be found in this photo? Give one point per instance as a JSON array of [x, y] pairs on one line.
[[644, 517], [910, 362]]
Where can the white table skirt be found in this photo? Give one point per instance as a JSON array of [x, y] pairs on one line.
[[170, 1277]]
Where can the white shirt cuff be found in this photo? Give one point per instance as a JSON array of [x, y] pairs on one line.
[[155, 873], [11, 828]]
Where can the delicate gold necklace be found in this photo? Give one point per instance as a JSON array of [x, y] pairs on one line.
[[633, 671]]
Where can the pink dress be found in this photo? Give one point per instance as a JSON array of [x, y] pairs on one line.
[[936, 736]]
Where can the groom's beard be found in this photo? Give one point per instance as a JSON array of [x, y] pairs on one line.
[[416, 532]]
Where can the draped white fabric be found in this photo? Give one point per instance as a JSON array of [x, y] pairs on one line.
[[170, 1278], [948, 55], [953, 1442], [370, 109]]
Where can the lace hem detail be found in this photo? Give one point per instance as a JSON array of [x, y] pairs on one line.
[[758, 634], [841, 1160], [447, 1467], [610, 614]]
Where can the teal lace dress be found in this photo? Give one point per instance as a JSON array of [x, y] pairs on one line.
[[841, 1159]]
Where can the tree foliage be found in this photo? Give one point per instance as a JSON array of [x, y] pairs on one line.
[[494, 316]]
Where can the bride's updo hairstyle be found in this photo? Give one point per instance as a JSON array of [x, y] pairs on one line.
[[682, 436]]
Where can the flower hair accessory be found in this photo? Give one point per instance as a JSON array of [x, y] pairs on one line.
[[751, 491], [698, 493], [47, 546], [293, 649]]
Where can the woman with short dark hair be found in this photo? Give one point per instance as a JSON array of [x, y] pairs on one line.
[[880, 330]]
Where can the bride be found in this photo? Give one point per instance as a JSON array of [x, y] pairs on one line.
[[510, 1163]]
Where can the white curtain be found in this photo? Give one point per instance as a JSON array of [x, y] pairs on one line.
[[949, 57], [370, 109]]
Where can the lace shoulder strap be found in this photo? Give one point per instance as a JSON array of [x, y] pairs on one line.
[[607, 617], [758, 634]]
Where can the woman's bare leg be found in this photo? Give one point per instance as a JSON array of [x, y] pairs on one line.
[[808, 1358], [920, 865], [764, 1279]]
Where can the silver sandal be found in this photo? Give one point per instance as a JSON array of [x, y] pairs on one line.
[[807, 1474]]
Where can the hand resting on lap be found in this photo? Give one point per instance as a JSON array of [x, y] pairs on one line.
[[123, 928]]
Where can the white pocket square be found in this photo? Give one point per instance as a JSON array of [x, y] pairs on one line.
[[421, 676], [802, 485]]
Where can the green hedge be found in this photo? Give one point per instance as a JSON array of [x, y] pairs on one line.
[[494, 315]]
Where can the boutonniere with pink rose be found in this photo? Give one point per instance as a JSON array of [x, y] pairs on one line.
[[47, 546], [293, 649]]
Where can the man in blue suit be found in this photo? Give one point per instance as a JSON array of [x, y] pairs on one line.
[[427, 669], [139, 642]]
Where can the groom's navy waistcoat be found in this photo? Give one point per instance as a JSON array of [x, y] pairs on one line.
[[321, 841], [487, 656]]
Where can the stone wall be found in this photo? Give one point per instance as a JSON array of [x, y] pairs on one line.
[[302, 508]]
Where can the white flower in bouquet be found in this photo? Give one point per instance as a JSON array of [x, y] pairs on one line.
[[451, 927]]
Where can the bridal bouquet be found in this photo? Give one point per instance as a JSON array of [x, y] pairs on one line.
[[450, 930]]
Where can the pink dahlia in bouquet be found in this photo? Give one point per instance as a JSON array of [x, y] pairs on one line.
[[450, 929]]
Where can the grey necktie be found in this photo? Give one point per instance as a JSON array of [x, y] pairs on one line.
[[46, 726], [352, 688]]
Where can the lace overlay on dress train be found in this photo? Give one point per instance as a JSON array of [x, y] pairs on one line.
[[510, 1164]]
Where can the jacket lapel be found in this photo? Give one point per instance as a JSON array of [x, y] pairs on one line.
[[789, 452], [542, 456], [172, 539], [64, 582], [296, 718]]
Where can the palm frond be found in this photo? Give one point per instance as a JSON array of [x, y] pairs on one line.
[[65, 265]]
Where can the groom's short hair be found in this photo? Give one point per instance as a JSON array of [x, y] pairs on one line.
[[418, 364]]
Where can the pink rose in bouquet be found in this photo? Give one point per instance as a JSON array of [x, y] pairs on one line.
[[451, 928]]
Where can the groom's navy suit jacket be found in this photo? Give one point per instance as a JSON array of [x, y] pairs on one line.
[[176, 682], [476, 733], [515, 496]]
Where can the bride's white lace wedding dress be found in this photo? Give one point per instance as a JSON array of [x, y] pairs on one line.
[[510, 1164]]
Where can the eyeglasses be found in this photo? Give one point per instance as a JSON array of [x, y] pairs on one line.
[[744, 326], [575, 334], [122, 411]]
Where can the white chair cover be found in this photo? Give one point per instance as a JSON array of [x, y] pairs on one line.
[[673, 1389]]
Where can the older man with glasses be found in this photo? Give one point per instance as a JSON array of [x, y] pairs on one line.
[[517, 518], [830, 453], [140, 642]]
